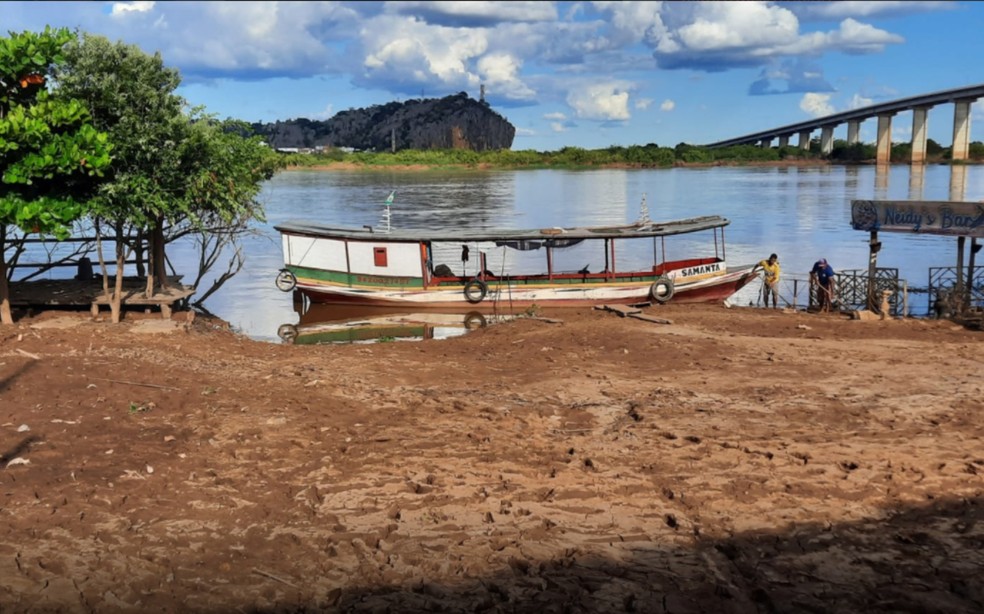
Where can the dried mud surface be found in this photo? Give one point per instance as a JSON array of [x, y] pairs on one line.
[[736, 460]]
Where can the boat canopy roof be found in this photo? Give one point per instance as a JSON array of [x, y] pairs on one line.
[[405, 235]]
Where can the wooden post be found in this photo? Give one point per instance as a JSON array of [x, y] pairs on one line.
[[970, 269], [874, 245], [961, 241], [608, 262]]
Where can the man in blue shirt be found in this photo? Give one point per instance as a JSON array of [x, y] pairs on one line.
[[822, 277]]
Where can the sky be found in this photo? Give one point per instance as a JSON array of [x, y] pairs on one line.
[[584, 74]]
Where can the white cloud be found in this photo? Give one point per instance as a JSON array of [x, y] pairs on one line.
[[667, 105], [817, 105], [558, 127], [481, 11], [242, 39], [859, 102], [851, 37], [733, 25], [122, 8], [715, 36], [790, 76], [643, 103], [416, 54], [600, 101], [555, 116], [500, 73], [852, 8], [326, 113], [631, 20], [977, 110], [901, 132]]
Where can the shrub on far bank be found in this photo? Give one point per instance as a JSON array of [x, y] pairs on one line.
[[636, 156]]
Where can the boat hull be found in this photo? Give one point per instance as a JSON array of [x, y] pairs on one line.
[[505, 294]]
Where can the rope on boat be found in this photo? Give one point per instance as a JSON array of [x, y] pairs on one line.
[[498, 289]]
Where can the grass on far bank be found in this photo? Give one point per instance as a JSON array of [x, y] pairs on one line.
[[635, 156]]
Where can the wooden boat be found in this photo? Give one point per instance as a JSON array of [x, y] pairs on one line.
[[407, 269]]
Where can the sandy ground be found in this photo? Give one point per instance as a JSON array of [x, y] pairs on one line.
[[736, 460]]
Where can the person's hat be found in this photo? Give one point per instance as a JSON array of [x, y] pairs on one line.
[[823, 261]]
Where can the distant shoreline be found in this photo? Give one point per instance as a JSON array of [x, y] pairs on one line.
[[354, 166]]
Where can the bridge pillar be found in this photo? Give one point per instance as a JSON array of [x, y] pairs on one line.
[[919, 115], [804, 140], [826, 140], [854, 132], [958, 181], [784, 141], [765, 143], [884, 144], [961, 128]]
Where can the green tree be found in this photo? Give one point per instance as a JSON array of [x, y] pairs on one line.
[[51, 156], [224, 173], [976, 150], [174, 174], [130, 95]]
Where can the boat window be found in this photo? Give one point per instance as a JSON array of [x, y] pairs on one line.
[[379, 256]]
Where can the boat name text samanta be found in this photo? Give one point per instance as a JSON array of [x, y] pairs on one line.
[[703, 269]]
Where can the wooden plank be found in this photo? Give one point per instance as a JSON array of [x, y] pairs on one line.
[[645, 318], [161, 297], [622, 310]]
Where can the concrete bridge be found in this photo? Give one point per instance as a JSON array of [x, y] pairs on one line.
[[961, 97]]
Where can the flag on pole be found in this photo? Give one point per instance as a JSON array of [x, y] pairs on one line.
[[386, 211]]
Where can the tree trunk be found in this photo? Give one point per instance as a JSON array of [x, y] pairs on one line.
[[138, 254], [150, 272], [6, 316], [116, 300], [158, 259]]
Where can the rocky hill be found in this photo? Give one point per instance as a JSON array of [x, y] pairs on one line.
[[453, 122]]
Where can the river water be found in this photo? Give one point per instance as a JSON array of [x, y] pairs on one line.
[[800, 213]]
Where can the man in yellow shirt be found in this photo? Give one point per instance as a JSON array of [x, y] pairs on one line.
[[770, 285]]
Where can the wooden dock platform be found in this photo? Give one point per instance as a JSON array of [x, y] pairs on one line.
[[89, 293]]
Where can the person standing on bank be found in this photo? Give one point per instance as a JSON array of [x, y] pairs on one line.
[[822, 278], [770, 284]]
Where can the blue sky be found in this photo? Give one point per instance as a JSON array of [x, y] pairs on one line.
[[587, 74]]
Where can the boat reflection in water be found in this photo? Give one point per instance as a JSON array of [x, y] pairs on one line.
[[321, 324]]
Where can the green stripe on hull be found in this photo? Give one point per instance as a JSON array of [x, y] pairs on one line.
[[354, 280], [319, 277]]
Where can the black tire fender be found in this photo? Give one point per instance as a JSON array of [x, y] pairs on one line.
[[662, 289], [287, 332], [286, 280], [474, 320], [475, 291]]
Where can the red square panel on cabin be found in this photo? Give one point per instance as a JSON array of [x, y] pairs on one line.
[[379, 256]]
